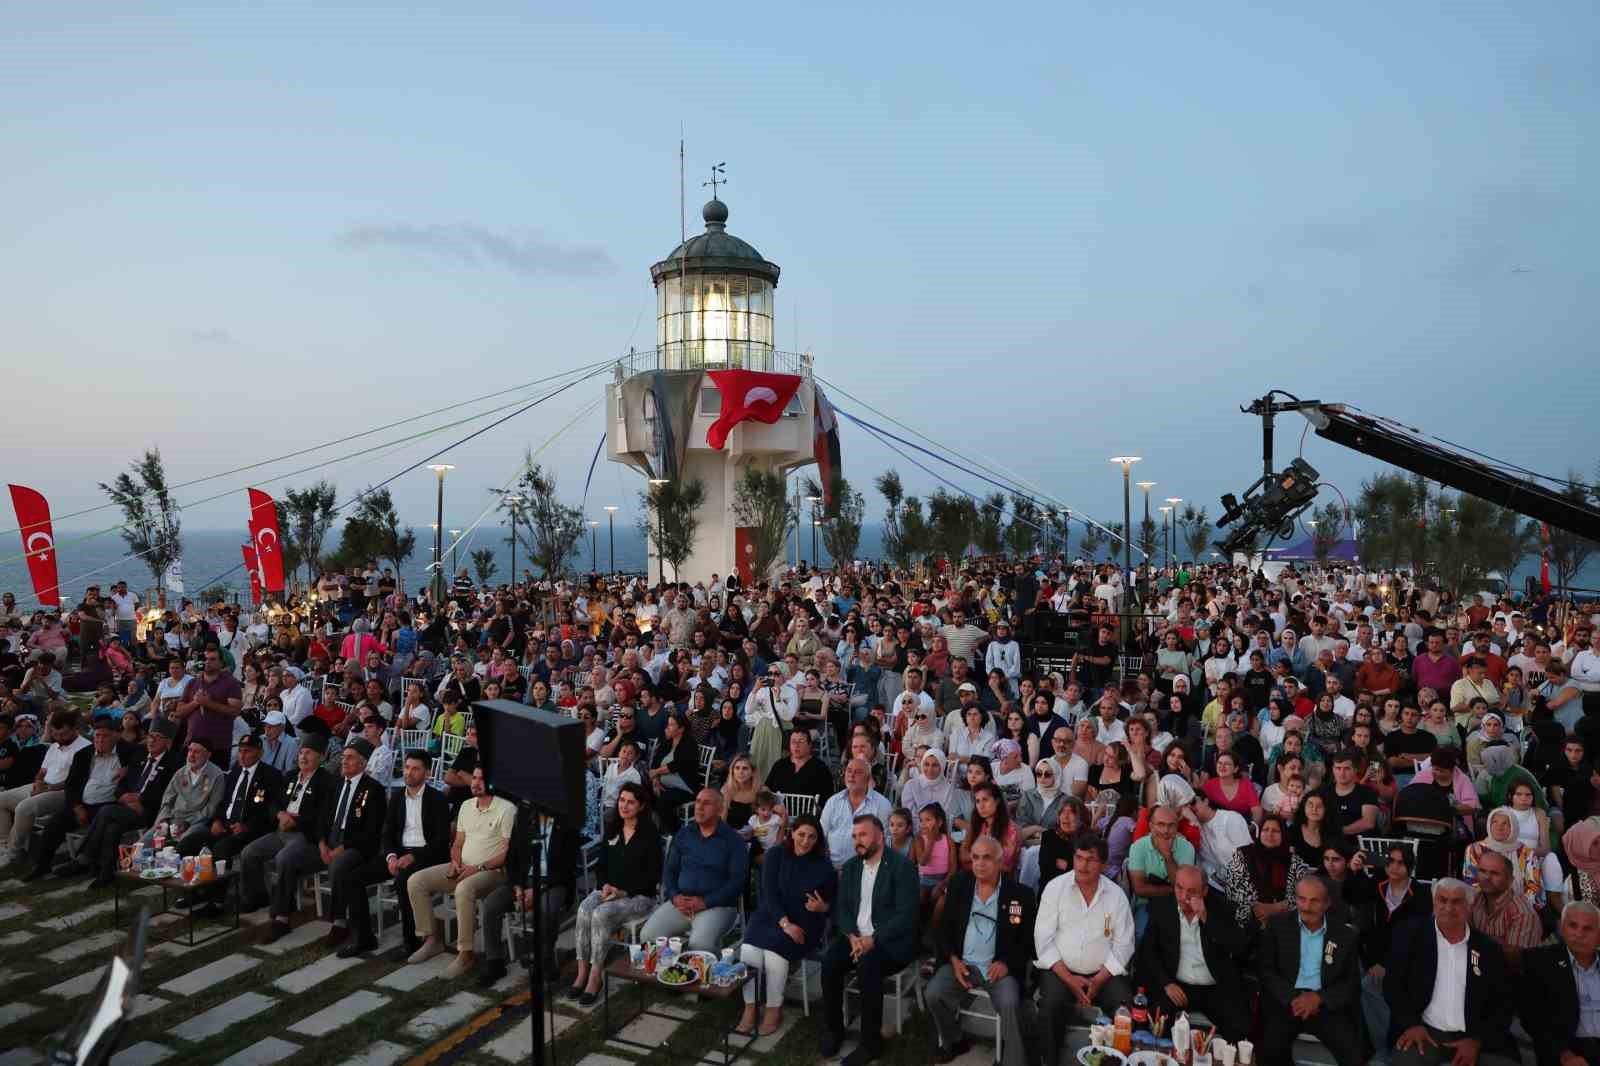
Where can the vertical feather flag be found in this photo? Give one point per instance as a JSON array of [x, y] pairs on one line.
[[254, 569], [264, 535], [39, 541]]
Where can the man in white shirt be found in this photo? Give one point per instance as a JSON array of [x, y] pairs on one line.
[[843, 808], [20, 807], [127, 612], [1083, 943], [1222, 832], [1446, 986]]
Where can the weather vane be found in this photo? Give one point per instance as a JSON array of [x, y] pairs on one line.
[[717, 178]]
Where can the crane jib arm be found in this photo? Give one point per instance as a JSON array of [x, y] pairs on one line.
[[1382, 440]]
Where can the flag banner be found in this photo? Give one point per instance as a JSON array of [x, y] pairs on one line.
[[825, 446], [39, 541], [747, 395], [658, 410], [172, 578], [264, 535], [253, 568], [1544, 558]]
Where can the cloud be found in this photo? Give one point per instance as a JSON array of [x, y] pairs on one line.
[[209, 336], [521, 252]]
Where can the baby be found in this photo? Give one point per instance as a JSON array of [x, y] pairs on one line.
[[765, 826]]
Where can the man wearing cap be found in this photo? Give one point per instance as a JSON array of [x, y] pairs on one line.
[[140, 791], [277, 750], [91, 785], [955, 721], [193, 796], [350, 846], [251, 790], [299, 814]]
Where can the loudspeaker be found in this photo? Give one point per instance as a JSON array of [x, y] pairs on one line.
[[532, 755]]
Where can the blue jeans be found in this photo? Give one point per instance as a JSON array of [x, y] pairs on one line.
[[1375, 1010]]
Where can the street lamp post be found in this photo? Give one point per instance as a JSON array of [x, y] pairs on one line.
[[455, 540], [661, 533], [814, 501], [1166, 534], [594, 529], [512, 500], [439, 469], [1126, 462], [1147, 486], [611, 523], [1172, 534]]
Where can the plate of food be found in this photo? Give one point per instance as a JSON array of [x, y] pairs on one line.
[[1100, 1056], [690, 968], [159, 873]]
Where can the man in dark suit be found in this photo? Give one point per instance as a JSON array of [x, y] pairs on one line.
[[350, 846], [299, 815], [559, 863], [1187, 958], [416, 835], [877, 937], [1310, 979], [1447, 989], [985, 940], [250, 791], [141, 789], [1562, 991]]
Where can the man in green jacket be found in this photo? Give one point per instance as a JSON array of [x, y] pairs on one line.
[[876, 917]]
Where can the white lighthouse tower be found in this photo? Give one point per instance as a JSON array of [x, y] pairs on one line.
[[714, 299]]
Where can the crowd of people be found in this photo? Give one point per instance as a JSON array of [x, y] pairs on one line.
[[1328, 803]]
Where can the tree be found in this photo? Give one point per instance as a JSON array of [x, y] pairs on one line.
[[1327, 530], [373, 532], [1196, 526], [1392, 514], [1022, 535], [1094, 539], [842, 515], [151, 523], [1114, 540], [951, 520], [988, 524], [895, 548], [917, 530], [547, 529], [670, 516], [304, 518], [1148, 538], [1568, 551], [761, 501], [483, 565], [1471, 537]]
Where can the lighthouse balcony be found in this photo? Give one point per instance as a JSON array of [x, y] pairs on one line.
[[713, 355]]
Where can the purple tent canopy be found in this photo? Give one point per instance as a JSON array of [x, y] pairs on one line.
[[1343, 550]]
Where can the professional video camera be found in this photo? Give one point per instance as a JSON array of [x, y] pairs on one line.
[[1269, 506]]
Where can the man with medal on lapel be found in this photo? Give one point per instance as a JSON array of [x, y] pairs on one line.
[[299, 815], [351, 847], [252, 789]]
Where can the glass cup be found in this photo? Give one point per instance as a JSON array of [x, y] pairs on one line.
[[636, 956]]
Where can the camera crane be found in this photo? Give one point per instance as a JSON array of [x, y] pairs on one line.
[[1275, 500]]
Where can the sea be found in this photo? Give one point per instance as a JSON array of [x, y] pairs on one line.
[[211, 558]]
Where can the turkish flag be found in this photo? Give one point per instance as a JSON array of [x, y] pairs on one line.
[[39, 541], [254, 568], [264, 535], [748, 394]]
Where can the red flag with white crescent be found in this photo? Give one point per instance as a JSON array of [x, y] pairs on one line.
[[254, 569], [749, 394], [1544, 558], [264, 535], [39, 541]]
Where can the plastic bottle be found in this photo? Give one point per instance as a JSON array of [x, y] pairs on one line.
[[1122, 1031], [1141, 1010], [1180, 1037]]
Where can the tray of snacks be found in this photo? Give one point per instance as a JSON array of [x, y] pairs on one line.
[[690, 968]]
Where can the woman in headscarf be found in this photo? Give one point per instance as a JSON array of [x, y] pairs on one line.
[[920, 729], [1171, 791], [1038, 806], [1261, 877], [1582, 846], [1490, 730], [1500, 772], [930, 785], [1526, 869]]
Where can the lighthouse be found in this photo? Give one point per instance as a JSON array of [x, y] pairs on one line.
[[714, 313]]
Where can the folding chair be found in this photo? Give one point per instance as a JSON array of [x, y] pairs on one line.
[[797, 803], [407, 682], [971, 1009], [907, 979]]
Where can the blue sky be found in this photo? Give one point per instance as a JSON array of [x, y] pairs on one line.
[[1048, 234]]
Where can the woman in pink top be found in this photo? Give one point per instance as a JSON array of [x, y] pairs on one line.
[[1229, 791]]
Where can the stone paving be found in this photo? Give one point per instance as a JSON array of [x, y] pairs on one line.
[[295, 1002]]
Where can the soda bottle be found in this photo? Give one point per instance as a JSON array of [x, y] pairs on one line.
[[1141, 1010], [1122, 1031]]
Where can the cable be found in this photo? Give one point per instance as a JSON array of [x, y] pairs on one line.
[[346, 439], [973, 496]]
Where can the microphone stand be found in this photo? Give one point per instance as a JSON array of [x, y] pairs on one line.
[[533, 949]]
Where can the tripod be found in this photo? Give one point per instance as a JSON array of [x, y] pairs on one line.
[[533, 939]]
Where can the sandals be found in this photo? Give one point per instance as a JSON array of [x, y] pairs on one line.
[[747, 1023], [772, 1022]]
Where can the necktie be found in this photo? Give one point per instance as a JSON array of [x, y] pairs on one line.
[[242, 790], [149, 772], [338, 815]]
